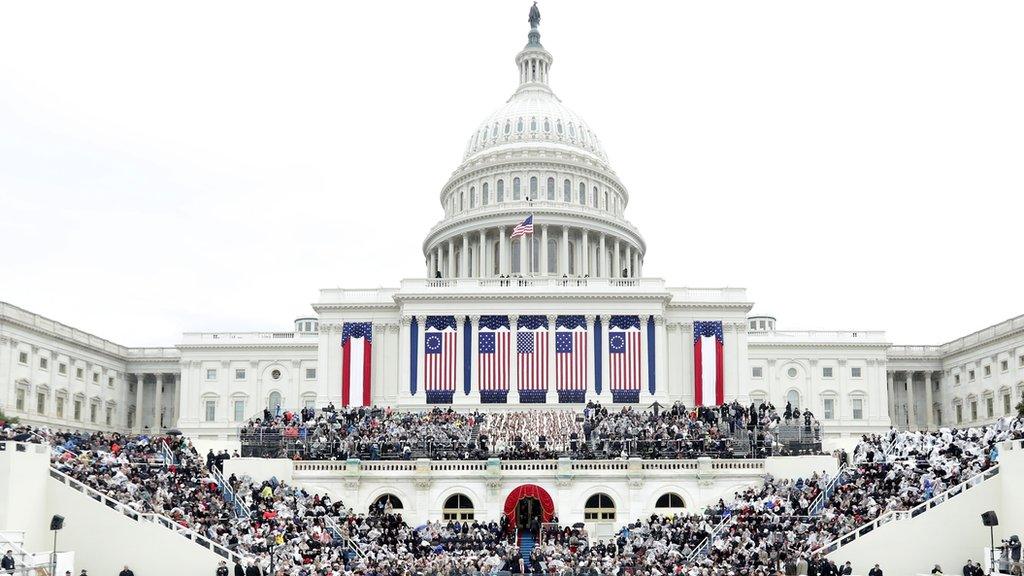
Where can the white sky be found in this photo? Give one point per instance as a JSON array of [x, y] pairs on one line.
[[194, 166]]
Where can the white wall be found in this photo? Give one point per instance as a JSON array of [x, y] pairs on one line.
[[23, 490], [794, 467]]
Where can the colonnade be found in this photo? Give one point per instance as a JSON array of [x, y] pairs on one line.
[[903, 409], [550, 250], [153, 395]]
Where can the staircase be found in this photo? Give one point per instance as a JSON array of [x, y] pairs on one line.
[[527, 543]]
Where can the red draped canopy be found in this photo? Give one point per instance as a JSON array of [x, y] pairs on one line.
[[547, 505]]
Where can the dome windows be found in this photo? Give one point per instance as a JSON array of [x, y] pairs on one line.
[[533, 188], [558, 127], [519, 126], [500, 191], [551, 188], [572, 130], [533, 124], [462, 201], [485, 194], [515, 189], [583, 194], [567, 191], [547, 125], [508, 127], [595, 197], [472, 197]]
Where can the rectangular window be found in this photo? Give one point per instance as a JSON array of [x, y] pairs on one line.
[[19, 400], [826, 372], [211, 410], [23, 357], [855, 372], [970, 375], [989, 406], [110, 381], [41, 403], [974, 410], [753, 324], [310, 404], [756, 372], [1004, 365], [959, 413], [239, 410], [62, 368], [1006, 404], [830, 408], [239, 373], [1020, 361], [956, 379], [310, 373], [78, 409], [96, 377], [988, 371], [60, 407], [79, 373], [211, 373], [858, 408], [93, 409], [110, 415], [44, 363]]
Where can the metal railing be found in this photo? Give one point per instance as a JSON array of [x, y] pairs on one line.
[[335, 530], [705, 546], [157, 519], [896, 515], [229, 495], [822, 499]]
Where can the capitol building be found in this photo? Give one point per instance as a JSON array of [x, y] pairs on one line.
[[560, 316]]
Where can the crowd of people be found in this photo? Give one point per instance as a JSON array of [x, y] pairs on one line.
[[373, 433], [765, 530]]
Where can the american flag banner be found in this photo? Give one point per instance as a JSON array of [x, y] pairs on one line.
[[493, 353], [708, 364], [440, 352], [356, 355], [532, 359], [571, 359], [523, 228], [624, 374]]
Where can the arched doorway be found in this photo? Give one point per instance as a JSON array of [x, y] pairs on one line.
[[386, 504], [527, 507]]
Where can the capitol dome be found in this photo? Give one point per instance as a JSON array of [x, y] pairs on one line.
[[534, 162], [535, 116]]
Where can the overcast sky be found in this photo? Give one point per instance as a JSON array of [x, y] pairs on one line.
[[193, 166]]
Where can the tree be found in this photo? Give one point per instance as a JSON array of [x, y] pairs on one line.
[[1020, 409], [5, 420]]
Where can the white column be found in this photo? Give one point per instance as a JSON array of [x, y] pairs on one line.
[[585, 261], [482, 272], [911, 408], [404, 366], [503, 266], [645, 345], [430, 264], [176, 379], [543, 250], [686, 339], [616, 269], [674, 377], [552, 318], [158, 402], [602, 258], [377, 370], [421, 343], [513, 382], [138, 402], [660, 357], [464, 261], [451, 257], [943, 415], [928, 411], [563, 265], [891, 391], [629, 261]]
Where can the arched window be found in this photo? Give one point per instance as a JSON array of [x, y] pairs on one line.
[[533, 188], [552, 256], [595, 197], [457, 507], [515, 188], [472, 197], [385, 503], [496, 260], [487, 132], [519, 126], [500, 191], [508, 126], [458, 263], [793, 397], [558, 127], [495, 129], [534, 254], [533, 124], [599, 507], [572, 258], [485, 196], [547, 125], [567, 191], [462, 201], [515, 257], [670, 500], [583, 194], [607, 205], [551, 188], [274, 402], [572, 130]]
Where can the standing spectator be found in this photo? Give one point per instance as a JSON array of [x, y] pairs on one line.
[[7, 563], [222, 569], [126, 572], [876, 571]]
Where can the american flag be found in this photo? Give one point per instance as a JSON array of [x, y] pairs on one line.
[[439, 364], [571, 360], [492, 360], [524, 228], [708, 363], [532, 357], [624, 362]]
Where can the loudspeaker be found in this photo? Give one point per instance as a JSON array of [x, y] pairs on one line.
[[57, 522], [989, 518]]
